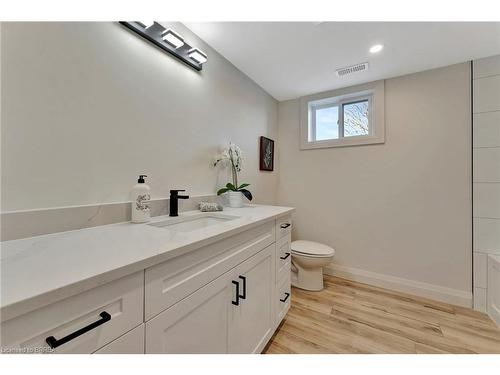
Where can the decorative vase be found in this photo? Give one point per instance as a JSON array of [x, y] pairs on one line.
[[235, 199]]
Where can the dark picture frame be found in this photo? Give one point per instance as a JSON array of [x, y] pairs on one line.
[[266, 154]]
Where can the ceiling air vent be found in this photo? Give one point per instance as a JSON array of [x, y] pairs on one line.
[[352, 69]]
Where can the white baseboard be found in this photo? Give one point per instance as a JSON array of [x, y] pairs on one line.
[[494, 314], [493, 298], [417, 288]]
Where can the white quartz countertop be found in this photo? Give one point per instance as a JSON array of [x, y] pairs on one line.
[[40, 270]]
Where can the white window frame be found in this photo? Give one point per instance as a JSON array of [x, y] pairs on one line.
[[339, 103], [373, 92]]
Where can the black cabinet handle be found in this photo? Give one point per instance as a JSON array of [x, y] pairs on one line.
[[286, 256], [244, 295], [285, 225], [286, 297], [54, 343], [237, 302]]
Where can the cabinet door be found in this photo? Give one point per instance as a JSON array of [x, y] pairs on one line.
[[196, 324], [250, 321]]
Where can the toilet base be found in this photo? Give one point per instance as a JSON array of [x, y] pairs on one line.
[[308, 279]]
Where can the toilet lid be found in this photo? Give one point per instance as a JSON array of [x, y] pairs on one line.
[[312, 248]]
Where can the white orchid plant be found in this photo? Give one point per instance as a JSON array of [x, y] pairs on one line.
[[232, 155]]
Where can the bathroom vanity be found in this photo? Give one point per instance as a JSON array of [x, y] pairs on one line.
[[199, 283]]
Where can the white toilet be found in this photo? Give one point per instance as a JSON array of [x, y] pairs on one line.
[[308, 260]]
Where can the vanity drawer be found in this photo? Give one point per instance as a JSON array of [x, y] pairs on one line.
[[282, 299], [283, 226], [283, 257], [79, 324], [130, 343], [169, 282]]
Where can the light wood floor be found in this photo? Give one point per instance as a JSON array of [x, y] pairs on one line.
[[349, 317]]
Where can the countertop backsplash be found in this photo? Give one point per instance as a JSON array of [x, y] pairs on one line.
[[23, 224]]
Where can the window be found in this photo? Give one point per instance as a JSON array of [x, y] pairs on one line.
[[339, 119], [356, 118], [326, 123], [343, 120]]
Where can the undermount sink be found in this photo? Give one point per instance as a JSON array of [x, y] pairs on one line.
[[184, 224]]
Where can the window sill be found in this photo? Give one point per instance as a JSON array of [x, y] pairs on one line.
[[355, 141]]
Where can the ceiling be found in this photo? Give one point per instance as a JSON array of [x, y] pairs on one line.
[[292, 59]]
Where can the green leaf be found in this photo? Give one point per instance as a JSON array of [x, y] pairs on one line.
[[222, 191], [243, 186], [247, 194], [230, 186]]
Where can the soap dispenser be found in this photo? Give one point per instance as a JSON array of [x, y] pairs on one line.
[[140, 197]]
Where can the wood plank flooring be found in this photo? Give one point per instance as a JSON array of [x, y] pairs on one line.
[[349, 317]]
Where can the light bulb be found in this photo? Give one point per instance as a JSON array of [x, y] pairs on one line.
[[197, 55], [171, 37]]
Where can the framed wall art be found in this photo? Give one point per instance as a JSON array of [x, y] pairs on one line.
[[266, 154]]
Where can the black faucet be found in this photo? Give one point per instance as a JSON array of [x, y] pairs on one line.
[[174, 201]]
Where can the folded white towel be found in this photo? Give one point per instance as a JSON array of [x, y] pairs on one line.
[[210, 207]]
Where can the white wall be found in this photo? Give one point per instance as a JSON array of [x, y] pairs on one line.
[[86, 107], [398, 214], [486, 149]]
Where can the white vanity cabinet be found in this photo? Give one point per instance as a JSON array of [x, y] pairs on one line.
[[169, 282], [237, 312], [227, 296], [232, 314]]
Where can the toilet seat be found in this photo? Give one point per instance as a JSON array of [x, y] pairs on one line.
[[298, 253], [311, 249]]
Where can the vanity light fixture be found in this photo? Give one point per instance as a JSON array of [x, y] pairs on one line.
[[173, 38], [168, 41], [376, 48], [146, 24], [197, 55]]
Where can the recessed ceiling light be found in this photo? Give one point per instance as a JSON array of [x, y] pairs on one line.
[[197, 55], [173, 38], [376, 48]]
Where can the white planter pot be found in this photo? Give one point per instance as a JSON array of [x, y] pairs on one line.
[[235, 199]]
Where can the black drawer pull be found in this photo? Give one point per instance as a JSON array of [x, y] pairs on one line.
[[286, 256], [244, 295], [54, 343], [285, 225], [286, 297], [237, 302]]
